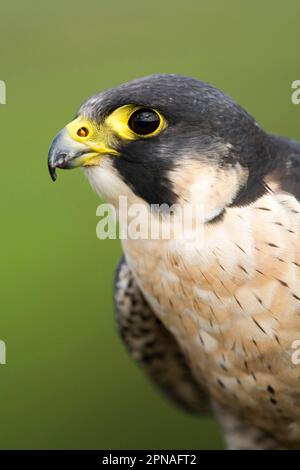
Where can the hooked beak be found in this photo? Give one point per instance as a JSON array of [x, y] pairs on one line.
[[67, 153]]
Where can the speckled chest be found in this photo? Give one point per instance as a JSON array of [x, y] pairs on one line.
[[232, 301]]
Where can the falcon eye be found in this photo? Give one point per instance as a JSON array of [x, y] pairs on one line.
[[144, 122], [132, 122], [83, 132]]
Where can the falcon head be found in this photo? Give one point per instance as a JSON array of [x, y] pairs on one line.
[[166, 139]]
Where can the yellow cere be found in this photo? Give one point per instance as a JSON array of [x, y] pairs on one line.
[[102, 138], [96, 137]]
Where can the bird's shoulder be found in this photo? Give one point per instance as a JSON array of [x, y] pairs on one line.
[[285, 173]]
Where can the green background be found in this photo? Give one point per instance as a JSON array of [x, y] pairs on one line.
[[68, 382]]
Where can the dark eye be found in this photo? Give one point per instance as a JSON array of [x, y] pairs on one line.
[[144, 121]]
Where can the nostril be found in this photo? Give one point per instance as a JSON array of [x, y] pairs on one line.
[[83, 132]]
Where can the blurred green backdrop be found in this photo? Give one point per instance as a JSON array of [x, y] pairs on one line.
[[68, 382]]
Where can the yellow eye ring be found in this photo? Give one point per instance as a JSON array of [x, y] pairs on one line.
[[132, 122], [144, 122]]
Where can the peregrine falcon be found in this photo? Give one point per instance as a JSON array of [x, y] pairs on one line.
[[213, 323]]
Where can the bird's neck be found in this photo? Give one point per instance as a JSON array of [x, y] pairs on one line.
[[245, 256]]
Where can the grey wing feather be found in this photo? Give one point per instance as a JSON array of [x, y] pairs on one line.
[[152, 346]]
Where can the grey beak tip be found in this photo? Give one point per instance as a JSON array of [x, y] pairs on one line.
[[64, 152], [52, 171]]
